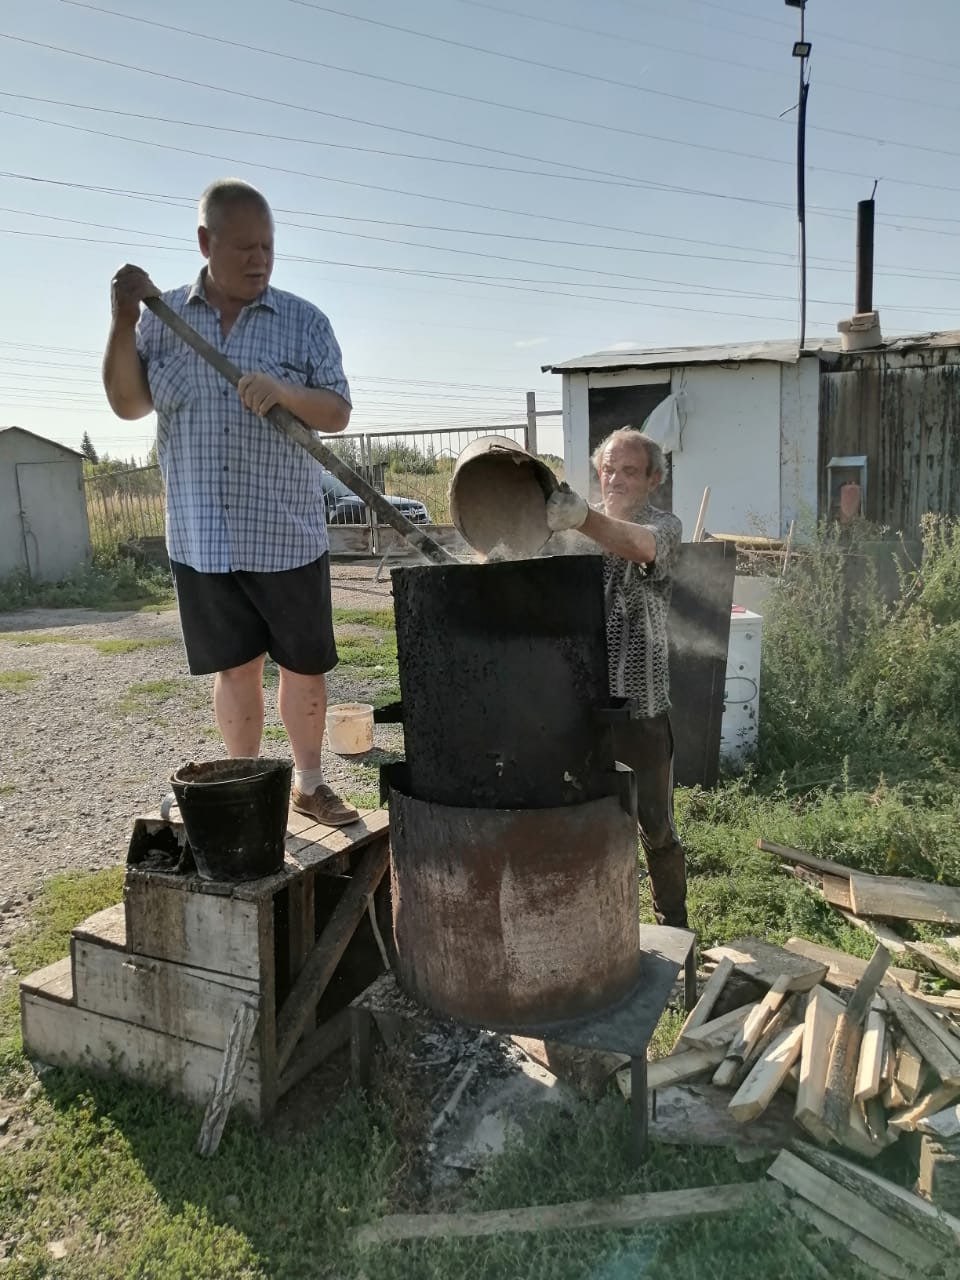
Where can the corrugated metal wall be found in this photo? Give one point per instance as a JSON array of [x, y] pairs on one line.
[[903, 413]]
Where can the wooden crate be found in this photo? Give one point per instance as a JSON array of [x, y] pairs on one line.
[[152, 985]]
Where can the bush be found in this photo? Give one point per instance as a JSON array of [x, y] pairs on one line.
[[111, 580]]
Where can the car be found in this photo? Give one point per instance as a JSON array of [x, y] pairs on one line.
[[342, 506]]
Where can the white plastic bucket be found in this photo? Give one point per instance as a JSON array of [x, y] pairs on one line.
[[350, 728]]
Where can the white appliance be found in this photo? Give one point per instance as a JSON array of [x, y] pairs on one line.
[[741, 698]]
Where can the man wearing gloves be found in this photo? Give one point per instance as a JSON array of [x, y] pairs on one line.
[[640, 544]]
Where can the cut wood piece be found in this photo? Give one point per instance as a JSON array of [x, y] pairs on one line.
[[239, 1040], [674, 1069], [804, 859], [192, 1004], [844, 970], [943, 1125], [940, 1230], [897, 898], [775, 1027], [53, 981], [703, 1009], [923, 1029], [908, 1071], [836, 890], [845, 1048], [875, 1122], [716, 1032], [766, 962], [854, 1211], [820, 1022], [66, 1036], [873, 1053], [768, 1074], [743, 1046], [938, 1099], [882, 932], [856, 1137], [937, 958], [879, 1261], [621, 1212]]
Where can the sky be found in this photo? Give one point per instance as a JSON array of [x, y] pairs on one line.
[[470, 189]]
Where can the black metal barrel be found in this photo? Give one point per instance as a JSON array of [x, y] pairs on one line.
[[504, 683]]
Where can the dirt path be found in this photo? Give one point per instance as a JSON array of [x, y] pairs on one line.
[[96, 717]]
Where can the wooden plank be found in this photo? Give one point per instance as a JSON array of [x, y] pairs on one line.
[[768, 1074], [938, 1099], [330, 946], [878, 1261], [869, 1081], [823, 1011], [239, 1040], [936, 958], [53, 981], [621, 1212], [854, 1211], [108, 928], [301, 922], [803, 859], [674, 1069], [742, 1048], [66, 1036], [206, 931], [318, 844], [882, 932], [178, 1000], [836, 890], [765, 962], [845, 1048], [314, 1049], [844, 970], [716, 1032], [702, 1010], [898, 898], [897, 1203], [921, 1027]]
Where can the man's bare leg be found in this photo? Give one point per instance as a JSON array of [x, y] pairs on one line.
[[238, 705], [302, 704]]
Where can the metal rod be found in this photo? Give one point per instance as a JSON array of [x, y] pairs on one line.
[[802, 181], [865, 217], [301, 434]]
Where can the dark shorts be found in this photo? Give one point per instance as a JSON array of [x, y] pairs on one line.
[[229, 619]]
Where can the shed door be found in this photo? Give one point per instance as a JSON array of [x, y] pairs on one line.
[[53, 516]]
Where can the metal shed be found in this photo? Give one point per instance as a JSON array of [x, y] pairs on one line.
[[43, 509]]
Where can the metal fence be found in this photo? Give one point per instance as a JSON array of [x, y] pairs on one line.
[[412, 467]]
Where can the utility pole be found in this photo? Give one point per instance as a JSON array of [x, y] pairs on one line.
[[801, 50]]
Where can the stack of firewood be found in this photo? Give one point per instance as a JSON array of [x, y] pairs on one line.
[[865, 1054]]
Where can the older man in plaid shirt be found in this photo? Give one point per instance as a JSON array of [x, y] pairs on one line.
[[245, 518]]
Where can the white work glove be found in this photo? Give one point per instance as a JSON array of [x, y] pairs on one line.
[[566, 510]]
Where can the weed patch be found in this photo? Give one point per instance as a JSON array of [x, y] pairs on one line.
[[14, 681], [112, 581], [380, 618], [147, 696]]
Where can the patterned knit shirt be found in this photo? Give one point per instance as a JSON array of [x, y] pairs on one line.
[[637, 603]]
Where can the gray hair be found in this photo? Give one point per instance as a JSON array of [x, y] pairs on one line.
[[224, 195], [656, 461]]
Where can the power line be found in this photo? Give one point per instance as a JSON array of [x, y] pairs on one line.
[[713, 106]]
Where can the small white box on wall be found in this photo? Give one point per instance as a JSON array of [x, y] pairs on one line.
[[741, 699]]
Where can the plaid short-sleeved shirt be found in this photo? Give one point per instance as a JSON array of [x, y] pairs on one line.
[[240, 495], [637, 601]]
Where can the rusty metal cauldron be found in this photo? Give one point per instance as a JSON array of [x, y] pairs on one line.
[[513, 830], [498, 498]]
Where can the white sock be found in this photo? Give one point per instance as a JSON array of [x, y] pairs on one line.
[[306, 781]]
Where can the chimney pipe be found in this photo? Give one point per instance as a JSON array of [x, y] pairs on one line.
[[862, 330], [864, 300]]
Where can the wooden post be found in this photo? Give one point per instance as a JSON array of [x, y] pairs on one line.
[[530, 443], [239, 1039]]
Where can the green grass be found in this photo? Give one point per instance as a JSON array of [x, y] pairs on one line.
[[14, 681], [381, 618], [112, 581], [274, 733], [148, 695], [107, 647]]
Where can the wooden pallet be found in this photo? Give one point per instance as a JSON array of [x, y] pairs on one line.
[[153, 985]]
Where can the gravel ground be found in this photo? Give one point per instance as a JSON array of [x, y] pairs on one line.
[[84, 751]]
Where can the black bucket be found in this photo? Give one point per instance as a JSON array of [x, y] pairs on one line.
[[235, 815]]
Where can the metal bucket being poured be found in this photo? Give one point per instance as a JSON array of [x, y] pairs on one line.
[[498, 498]]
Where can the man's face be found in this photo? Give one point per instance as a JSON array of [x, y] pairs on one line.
[[624, 482], [240, 251]]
